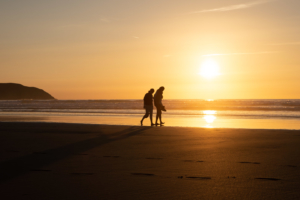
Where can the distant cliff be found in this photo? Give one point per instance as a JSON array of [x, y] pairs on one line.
[[14, 91]]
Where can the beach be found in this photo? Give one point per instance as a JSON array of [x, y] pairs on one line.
[[91, 161]]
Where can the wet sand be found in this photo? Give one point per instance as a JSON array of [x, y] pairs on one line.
[[77, 161], [206, 121]]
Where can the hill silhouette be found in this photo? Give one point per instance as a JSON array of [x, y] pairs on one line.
[[14, 91]]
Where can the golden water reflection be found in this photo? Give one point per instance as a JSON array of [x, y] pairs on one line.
[[214, 120], [209, 117]]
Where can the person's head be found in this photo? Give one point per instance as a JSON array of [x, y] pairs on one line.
[[151, 90], [162, 88]]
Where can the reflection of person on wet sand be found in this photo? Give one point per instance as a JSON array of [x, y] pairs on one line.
[[148, 105], [158, 104]]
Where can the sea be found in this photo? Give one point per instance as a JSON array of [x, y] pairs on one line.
[[206, 113]]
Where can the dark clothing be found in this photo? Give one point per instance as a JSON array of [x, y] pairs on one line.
[[157, 99], [149, 111], [148, 99], [158, 110]]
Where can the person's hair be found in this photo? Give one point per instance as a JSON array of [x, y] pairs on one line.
[[162, 88], [151, 90]]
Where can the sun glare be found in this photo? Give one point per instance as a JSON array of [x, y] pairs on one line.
[[209, 117], [209, 69], [209, 112]]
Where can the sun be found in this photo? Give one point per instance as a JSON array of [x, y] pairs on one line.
[[209, 69]]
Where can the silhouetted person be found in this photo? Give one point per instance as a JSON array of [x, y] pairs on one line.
[[148, 105], [158, 104]]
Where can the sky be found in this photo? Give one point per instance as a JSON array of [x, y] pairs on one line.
[[119, 49]]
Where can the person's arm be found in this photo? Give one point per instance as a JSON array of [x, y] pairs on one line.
[[145, 99]]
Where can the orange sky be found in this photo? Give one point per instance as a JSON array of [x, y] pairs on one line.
[[120, 49]]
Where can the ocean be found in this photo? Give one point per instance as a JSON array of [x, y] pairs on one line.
[[229, 113]]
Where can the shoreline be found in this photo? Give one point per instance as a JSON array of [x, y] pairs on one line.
[[121, 125], [135, 122]]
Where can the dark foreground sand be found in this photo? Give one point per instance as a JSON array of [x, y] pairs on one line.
[[75, 161]]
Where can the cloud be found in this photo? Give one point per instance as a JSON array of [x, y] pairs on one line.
[[233, 54], [234, 7], [136, 37]]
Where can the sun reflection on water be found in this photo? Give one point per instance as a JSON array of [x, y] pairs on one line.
[[209, 112], [209, 117]]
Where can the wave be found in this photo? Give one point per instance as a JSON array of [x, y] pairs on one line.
[[175, 104], [169, 113]]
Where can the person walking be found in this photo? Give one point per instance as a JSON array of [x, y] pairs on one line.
[[148, 106], [158, 104]]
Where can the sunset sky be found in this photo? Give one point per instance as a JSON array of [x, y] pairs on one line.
[[119, 49]]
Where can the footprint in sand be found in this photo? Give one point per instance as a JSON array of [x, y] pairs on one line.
[[142, 174], [111, 156], [198, 177], [231, 177], [256, 163], [154, 158], [82, 174], [268, 179], [291, 165], [193, 161]]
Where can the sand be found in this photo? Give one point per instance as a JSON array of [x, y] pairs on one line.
[[77, 161]]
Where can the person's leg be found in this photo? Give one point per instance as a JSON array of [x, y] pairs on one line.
[[142, 121], [160, 118], [145, 116], [157, 113], [151, 112]]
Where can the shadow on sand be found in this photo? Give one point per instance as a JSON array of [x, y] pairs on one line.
[[22, 165]]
